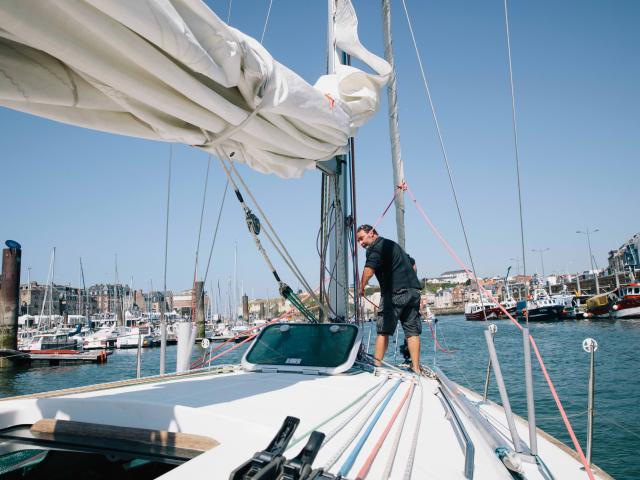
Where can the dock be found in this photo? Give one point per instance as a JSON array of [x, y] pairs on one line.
[[56, 357]]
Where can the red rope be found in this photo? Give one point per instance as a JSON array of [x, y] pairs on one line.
[[554, 393], [433, 334], [369, 461]]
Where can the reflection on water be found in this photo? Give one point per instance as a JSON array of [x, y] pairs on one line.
[[616, 425]]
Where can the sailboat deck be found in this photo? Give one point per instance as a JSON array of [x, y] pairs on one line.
[[243, 411]]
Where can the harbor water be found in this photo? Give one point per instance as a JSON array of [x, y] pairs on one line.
[[617, 419]]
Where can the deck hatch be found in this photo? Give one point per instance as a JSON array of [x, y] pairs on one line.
[[298, 347]]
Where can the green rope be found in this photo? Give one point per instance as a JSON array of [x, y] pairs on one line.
[[337, 414]]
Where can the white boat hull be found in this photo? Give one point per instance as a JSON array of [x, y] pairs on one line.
[[243, 411], [633, 312]]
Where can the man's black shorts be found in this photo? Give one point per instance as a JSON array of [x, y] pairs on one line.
[[405, 307]]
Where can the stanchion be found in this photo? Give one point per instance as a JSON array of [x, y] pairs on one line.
[[493, 329], [590, 346]]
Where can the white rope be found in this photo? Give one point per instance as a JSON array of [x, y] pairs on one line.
[[266, 21], [416, 432], [396, 441], [444, 152], [515, 135], [357, 430], [229, 11], [346, 421]]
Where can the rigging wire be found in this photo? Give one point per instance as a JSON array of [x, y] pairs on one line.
[[163, 320], [215, 235], [515, 137], [253, 224], [229, 11], [266, 21], [204, 198], [285, 253], [444, 153]]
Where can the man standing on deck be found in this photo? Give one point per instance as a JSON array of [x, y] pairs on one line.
[[399, 291]]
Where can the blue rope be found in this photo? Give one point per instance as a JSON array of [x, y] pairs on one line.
[[351, 459]]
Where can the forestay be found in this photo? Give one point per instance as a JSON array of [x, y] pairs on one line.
[[171, 70]]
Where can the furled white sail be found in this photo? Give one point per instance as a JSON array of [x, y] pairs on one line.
[[171, 70]]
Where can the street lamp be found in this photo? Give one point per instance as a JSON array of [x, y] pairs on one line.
[[517, 260], [588, 234], [541, 251]]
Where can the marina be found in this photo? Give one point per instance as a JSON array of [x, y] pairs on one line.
[[616, 437]]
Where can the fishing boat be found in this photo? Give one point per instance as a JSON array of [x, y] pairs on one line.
[[542, 308], [307, 401], [628, 304], [510, 305], [568, 303], [486, 310], [599, 306]]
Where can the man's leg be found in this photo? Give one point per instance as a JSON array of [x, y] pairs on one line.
[[413, 343], [408, 306], [382, 343]]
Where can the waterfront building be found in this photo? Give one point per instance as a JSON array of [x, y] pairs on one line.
[[627, 257], [444, 298], [454, 276]]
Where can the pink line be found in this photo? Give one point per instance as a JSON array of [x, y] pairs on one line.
[[565, 419]]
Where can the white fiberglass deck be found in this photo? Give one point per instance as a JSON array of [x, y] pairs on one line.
[[243, 411]]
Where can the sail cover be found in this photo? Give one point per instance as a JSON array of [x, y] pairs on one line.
[[171, 70]]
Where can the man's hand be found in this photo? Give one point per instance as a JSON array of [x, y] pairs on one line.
[[366, 276]]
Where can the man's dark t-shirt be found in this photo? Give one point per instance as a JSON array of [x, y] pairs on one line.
[[392, 266]]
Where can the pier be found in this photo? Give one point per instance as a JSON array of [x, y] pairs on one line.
[[55, 357]]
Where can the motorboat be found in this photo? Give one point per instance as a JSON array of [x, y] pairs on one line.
[[52, 341], [133, 337]]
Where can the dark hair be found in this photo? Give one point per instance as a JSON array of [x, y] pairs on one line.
[[367, 228]]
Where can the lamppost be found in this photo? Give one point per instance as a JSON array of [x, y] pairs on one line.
[[541, 251], [595, 274], [517, 260]]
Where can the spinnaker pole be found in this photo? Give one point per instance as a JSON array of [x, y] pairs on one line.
[[396, 154]]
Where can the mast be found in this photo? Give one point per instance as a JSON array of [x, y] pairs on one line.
[[335, 194], [86, 295], [396, 156]]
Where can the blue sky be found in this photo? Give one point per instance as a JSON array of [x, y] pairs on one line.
[[577, 71]]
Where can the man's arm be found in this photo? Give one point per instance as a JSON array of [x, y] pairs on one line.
[[367, 273]]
